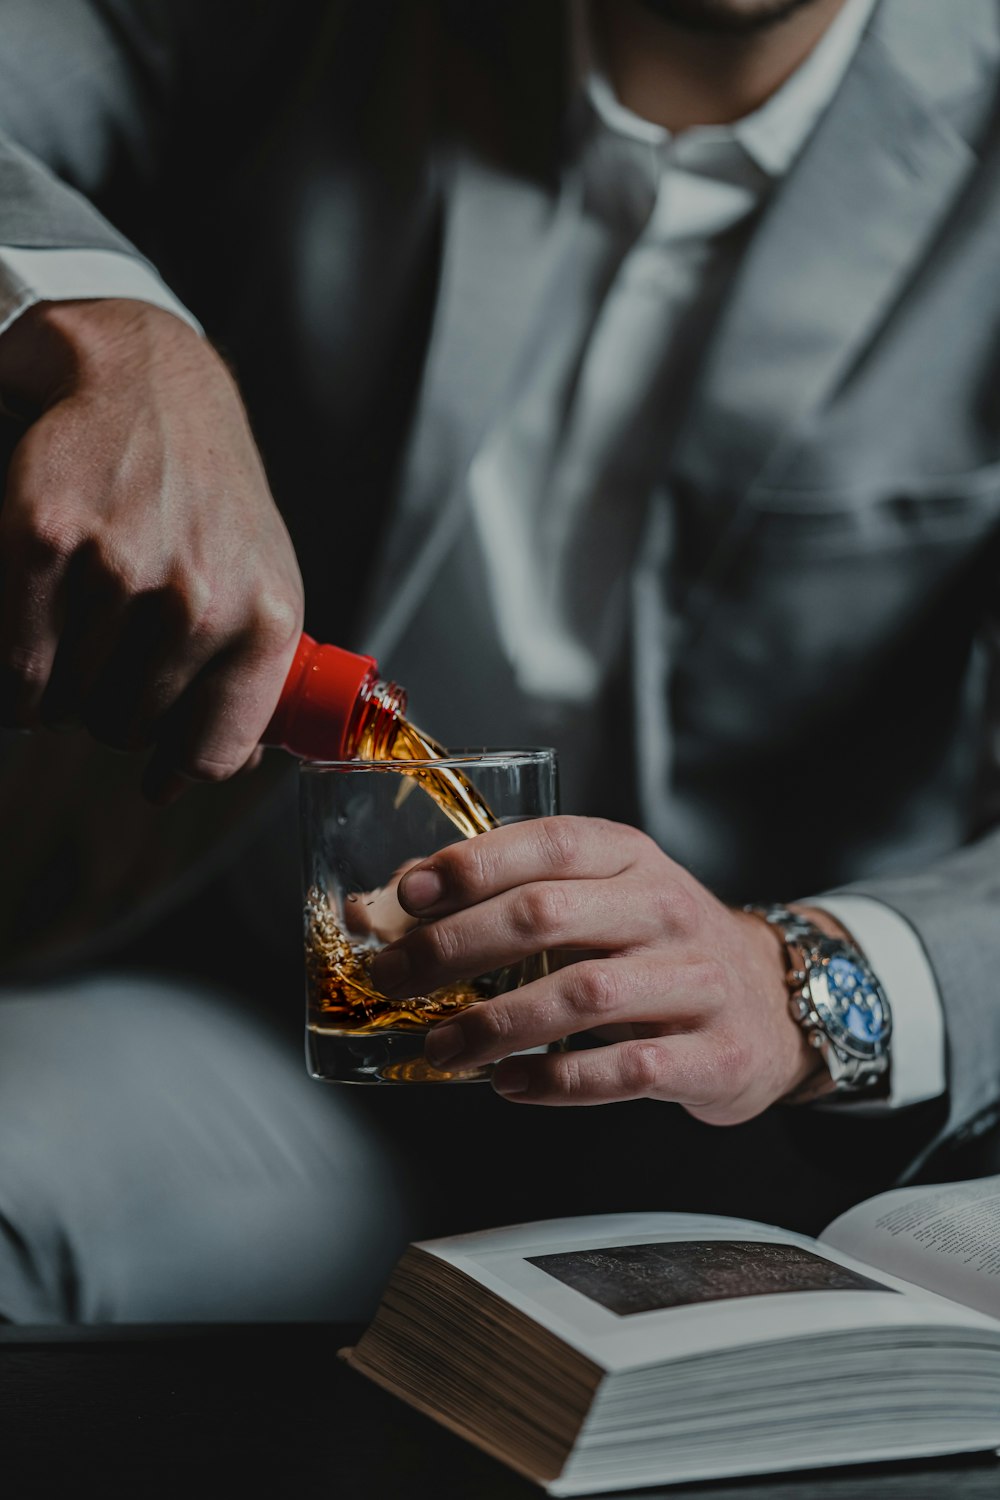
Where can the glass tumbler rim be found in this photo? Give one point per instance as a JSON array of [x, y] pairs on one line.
[[526, 755]]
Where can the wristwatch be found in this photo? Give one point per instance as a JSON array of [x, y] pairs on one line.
[[836, 999]]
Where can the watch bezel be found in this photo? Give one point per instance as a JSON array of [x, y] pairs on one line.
[[817, 991]]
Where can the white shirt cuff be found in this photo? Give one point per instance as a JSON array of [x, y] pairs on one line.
[[894, 951], [49, 275]]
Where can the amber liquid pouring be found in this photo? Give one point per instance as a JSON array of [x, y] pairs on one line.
[[454, 793], [342, 996]]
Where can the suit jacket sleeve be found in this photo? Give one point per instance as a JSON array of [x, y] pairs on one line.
[[105, 105], [953, 905]]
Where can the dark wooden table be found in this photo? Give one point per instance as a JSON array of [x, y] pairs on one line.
[[249, 1411]]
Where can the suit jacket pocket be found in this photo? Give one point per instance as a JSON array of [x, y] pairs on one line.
[[905, 515], [827, 603]]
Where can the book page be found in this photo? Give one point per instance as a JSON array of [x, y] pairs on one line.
[[945, 1238], [631, 1289]]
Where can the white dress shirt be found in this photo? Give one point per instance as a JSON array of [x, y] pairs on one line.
[[30, 276], [560, 492]]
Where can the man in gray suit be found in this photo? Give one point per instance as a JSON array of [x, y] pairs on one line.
[[625, 377]]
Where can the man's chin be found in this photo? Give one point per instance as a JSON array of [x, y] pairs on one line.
[[725, 17]]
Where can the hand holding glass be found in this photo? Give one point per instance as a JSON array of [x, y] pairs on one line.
[[364, 823]]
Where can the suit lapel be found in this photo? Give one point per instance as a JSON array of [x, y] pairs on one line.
[[491, 279], [825, 267], [505, 106]]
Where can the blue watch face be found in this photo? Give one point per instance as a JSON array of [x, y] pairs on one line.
[[850, 1004]]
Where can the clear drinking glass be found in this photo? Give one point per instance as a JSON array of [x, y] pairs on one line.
[[364, 822]]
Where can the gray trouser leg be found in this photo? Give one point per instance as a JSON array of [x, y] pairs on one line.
[[163, 1157]]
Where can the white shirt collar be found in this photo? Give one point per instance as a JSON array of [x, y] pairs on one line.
[[773, 135]]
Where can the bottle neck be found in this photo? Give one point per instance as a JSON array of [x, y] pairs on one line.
[[334, 706], [374, 722]]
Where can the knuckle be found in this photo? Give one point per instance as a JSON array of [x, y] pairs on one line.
[[539, 912], [467, 867], [677, 906], [439, 943], [276, 619], [569, 1076], [640, 1065], [48, 540], [492, 1025], [560, 843], [594, 990]]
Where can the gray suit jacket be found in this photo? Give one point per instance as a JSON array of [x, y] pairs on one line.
[[352, 198]]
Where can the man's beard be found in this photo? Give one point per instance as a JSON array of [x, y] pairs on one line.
[[725, 17]]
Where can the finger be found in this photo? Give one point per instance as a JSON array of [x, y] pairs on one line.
[[377, 914], [98, 618], [80, 658], [33, 563], [596, 993], [674, 1068], [156, 658], [217, 724], [591, 914], [538, 849]]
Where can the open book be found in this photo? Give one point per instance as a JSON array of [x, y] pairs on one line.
[[628, 1349]]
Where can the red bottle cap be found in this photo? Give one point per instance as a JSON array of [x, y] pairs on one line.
[[318, 699]]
